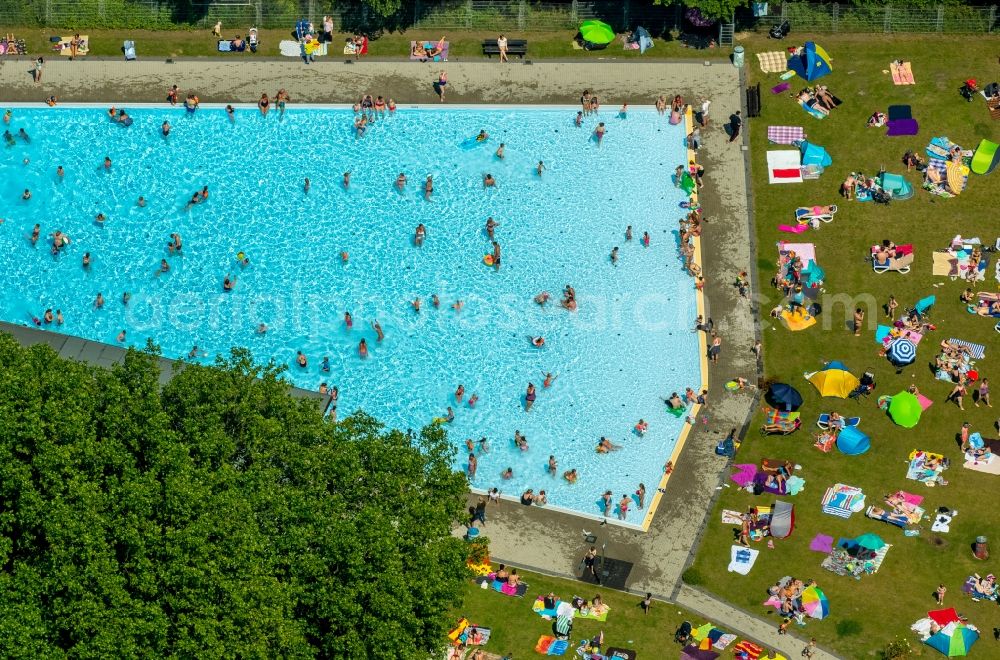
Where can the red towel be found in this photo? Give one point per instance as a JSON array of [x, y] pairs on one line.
[[749, 648], [786, 173], [943, 617]]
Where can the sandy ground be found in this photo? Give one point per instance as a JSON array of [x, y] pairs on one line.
[[531, 537]]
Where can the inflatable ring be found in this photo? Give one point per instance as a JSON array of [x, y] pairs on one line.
[[439, 420], [240, 256], [488, 259], [732, 386]]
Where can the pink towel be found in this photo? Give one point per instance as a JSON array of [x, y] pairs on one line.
[[822, 543], [797, 229], [744, 474], [925, 403], [780, 87], [910, 498]]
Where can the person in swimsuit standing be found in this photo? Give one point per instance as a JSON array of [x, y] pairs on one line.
[[529, 397], [441, 83]]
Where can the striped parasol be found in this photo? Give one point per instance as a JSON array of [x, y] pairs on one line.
[[902, 352]]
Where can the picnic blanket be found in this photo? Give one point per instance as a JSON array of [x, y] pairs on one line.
[[538, 607], [902, 74], [976, 351], [842, 562], [741, 559], [784, 166], [954, 263], [785, 134], [430, 45], [842, 500], [290, 48], [549, 645], [501, 586], [590, 614], [64, 49], [919, 470], [988, 463], [774, 61], [730, 517]]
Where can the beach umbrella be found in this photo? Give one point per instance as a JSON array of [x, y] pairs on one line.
[[834, 380], [597, 32], [815, 603], [870, 541], [902, 352], [955, 644], [905, 409], [784, 396]]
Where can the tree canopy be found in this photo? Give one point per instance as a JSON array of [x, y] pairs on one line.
[[215, 516]]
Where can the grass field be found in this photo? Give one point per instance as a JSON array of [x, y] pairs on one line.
[[462, 45], [866, 614], [516, 628]]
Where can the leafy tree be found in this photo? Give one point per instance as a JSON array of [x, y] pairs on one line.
[[719, 9], [215, 516]]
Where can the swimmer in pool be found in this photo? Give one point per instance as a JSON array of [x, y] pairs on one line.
[[645, 239], [540, 167], [459, 393], [48, 316], [325, 366], [125, 298], [400, 182], [614, 256], [305, 186], [537, 342], [231, 113], [599, 132], [301, 360], [262, 329], [348, 320], [204, 194], [26, 195], [483, 136], [99, 218], [491, 224], [579, 118], [99, 301], [35, 234], [347, 180], [500, 150], [121, 337], [473, 399], [605, 446], [570, 476], [428, 187], [628, 233], [141, 202], [86, 260], [175, 243], [9, 138], [419, 235], [228, 283], [542, 298], [107, 162], [363, 349], [59, 317], [164, 267], [24, 136], [416, 305], [435, 301], [195, 199], [496, 255], [458, 306], [60, 172], [165, 128], [344, 257], [549, 379], [378, 330], [489, 181]]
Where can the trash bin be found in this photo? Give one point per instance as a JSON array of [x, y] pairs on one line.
[[738, 57], [981, 548]]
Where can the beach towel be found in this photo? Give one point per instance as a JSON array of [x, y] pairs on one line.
[[918, 470], [774, 61], [843, 501], [944, 617], [549, 645], [502, 586], [902, 74], [724, 640], [746, 646], [976, 351], [290, 48], [785, 134], [784, 166], [812, 111], [744, 474], [538, 607], [430, 45], [603, 616], [899, 127], [741, 559], [730, 517], [797, 229], [821, 543], [481, 637], [780, 87], [798, 320], [63, 47]]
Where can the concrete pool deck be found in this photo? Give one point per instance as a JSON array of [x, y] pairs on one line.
[[532, 537]]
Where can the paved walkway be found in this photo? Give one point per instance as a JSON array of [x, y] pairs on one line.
[[530, 537]]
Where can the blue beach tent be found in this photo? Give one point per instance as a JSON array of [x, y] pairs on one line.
[[813, 154], [811, 63], [852, 442]]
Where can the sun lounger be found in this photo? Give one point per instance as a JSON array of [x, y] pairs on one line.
[[824, 421], [902, 73], [899, 264], [807, 213], [825, 442]]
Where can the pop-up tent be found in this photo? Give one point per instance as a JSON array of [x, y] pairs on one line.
[[811, 62], [640, 37], [852, 442], [782, 519], [895, 184], [813, 154]]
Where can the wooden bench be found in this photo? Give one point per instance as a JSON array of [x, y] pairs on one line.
[[515, 47]]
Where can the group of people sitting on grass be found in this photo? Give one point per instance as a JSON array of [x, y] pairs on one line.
[[788, 591]]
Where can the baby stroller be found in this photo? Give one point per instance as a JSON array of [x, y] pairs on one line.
[[128, 48], [252, 39], [865, 387], [780, 31], [968, 89], [683, 634]]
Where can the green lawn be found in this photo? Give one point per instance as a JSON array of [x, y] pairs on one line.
[[516, 628], [463, 45], [867, 614]]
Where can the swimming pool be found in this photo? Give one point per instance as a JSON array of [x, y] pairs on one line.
[[628, 345]]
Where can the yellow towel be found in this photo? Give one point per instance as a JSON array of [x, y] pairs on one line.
[[798, 320]]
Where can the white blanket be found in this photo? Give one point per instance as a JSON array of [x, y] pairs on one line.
[[784, 160], [290, 48], [742, 559]]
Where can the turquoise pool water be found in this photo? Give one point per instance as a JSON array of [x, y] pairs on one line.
[[627, 345]]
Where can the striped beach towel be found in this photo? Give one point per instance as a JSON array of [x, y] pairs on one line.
[[773, 61], [748, 647], [976, 351]]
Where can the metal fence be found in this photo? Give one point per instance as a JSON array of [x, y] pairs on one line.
[[492, 15], [835, 17]]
